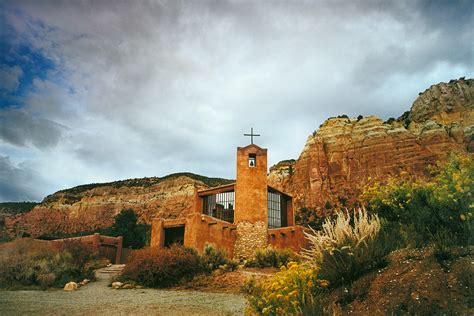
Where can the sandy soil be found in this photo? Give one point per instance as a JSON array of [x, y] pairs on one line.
[[97, 298]]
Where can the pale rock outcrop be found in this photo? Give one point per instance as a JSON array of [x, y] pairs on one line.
[[71, 286], [117, 285]]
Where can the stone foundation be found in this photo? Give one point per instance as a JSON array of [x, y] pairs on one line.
[[250, 237]]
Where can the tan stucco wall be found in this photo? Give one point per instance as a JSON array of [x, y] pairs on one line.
[[202, 229], [288, 237], [251, 186]]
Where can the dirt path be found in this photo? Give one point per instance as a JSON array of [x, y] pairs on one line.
[[98, 299]]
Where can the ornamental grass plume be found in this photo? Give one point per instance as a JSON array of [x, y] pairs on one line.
[[347, 246], [339, 233]]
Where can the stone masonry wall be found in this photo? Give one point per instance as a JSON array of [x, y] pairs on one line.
[[250, 237]]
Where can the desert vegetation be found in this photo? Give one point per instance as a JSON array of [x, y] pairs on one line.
[[347, 246], [30, 263], [427, 219], [433, 209], [14, 208], [165, 267], [342, 250], [295, 290], [272, 257]]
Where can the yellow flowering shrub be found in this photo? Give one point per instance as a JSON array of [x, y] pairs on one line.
[[295, 290], [423, 208]]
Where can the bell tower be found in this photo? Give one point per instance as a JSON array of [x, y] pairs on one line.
[[251, 200], [251, 184]]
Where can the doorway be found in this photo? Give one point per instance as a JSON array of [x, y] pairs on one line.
[[174, 235]]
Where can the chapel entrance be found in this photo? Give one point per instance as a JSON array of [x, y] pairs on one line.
[[174, 235]]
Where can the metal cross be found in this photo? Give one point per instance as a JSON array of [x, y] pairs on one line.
[[251, 135]]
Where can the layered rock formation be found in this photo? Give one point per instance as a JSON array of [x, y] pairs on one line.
[[88, 207], [347, 153], [337, 161]]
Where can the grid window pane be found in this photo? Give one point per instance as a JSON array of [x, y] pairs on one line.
[[274, 210], [220, 206]]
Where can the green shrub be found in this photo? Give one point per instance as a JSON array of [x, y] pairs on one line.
[[31, 263], [348, 246], [271, 257], [443, 202], [214, 258], [134, 235], [309, 216], [162, 267], [293, 291]]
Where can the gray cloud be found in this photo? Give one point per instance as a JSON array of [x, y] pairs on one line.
[[18, 183], [155, 87], [20, 128]]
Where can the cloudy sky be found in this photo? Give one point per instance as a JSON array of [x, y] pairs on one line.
[[94, 91]]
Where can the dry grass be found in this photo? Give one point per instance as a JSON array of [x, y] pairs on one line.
[[348, 246], [340, 233]]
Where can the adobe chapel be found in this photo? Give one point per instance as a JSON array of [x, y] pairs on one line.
[[240, 217]]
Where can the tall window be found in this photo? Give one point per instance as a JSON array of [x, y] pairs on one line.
[[220, 206], [277, 214]]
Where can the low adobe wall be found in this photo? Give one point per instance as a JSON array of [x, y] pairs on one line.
[[203, 229], [106, 246], [199, 230], [291, 237]]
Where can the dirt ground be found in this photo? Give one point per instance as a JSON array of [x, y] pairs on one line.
[[413, 282], [228, 282], [96, 298]]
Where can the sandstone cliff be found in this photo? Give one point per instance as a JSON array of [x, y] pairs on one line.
[[88, 207], [347, 153], [337, 161]]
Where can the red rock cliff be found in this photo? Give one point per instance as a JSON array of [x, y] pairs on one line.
[[346, 153], [336, 162], [88, 207]]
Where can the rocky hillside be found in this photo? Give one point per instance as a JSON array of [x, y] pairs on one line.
[[91, 206], [337, 161], [347, 153], [414, 282]]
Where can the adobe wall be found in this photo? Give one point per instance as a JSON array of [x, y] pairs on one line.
[[157, 233], [201, 229], [251, 186], [288, 237], [158, 226], [290, 213]]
